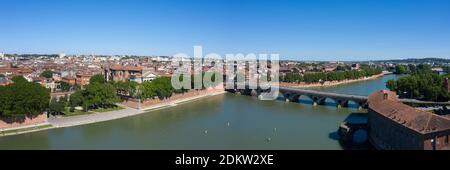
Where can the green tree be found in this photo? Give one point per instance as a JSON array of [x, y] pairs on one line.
[[47, 74], [19, 79], [100, 95], [23, 98], [163, 87], [423, 69], [97, 79], [446, 69], [400, 69], [76, 99], [392, 85], [65, 87], [148, 90], [56, 107], [425, 86]]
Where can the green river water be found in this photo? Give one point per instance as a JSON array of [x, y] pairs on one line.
[[231, 122]]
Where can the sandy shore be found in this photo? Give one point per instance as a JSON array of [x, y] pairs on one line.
[[330, 83]]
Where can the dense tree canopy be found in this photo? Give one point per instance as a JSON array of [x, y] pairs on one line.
[[413, 69], [446, 69], [98, 94], [424, 86], [160, 87], [23, 98], [97, 79], [47, 74], [66, 87], [400, 69], [330, 76], [57, 107], [127, 88], [19, 79]]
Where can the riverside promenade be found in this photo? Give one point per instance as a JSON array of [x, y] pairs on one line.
[[58, 122]]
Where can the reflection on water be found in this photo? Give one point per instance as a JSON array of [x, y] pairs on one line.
[[231, 121]]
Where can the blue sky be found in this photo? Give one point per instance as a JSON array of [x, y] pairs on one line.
[[296, 29]]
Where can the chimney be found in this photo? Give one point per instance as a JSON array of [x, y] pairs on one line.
[[385, 94]]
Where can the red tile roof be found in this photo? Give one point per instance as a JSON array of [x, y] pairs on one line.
[[387, 104], [130, 68], [15, 70]]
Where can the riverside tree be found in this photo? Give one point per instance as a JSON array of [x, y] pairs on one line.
[[98, 94], [423, 86], [98, 78], [23, 98], [400, 69], [330, 76], [47, 74], [57, 107]]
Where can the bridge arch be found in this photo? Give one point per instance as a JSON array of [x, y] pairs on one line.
[[318, 97]]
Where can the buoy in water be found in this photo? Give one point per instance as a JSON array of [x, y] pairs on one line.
[[228, 124], [268, 139], [274, 129], [206, 132]]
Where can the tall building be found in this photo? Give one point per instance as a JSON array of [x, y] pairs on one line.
[[2, 56]]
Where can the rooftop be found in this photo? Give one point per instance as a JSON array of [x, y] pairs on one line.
[[387, 104], [130, 68]]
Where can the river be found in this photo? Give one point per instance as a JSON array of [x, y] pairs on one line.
[[225, 121]]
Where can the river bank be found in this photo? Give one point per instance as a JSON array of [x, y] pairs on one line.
[[61, 122], [231, 121], [131, 110], [331, 83], [173, 100]]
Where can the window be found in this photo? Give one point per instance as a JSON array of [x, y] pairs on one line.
[[446, 140]]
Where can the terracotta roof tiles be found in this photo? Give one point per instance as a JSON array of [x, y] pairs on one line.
[[387, 104]]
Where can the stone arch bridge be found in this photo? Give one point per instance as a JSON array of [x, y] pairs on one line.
[[319, 97]]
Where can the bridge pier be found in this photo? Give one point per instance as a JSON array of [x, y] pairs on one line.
[[291, 97], [341, 103], [361, 105], [254, 92], [318, 100]]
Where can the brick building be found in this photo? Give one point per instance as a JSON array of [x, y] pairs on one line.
[[69, 80], [394, 125], [82, 79], [122, 73]]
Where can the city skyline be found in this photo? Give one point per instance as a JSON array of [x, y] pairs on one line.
[[323, 30]]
